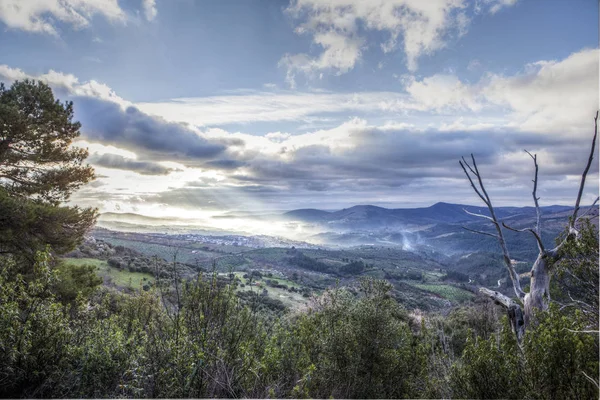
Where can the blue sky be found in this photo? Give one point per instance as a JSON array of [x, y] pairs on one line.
[[226, 105]]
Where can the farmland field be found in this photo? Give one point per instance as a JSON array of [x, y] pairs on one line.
[[121, 278], [448, 292]]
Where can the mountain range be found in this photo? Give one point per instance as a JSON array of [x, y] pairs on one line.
[[370, 217]]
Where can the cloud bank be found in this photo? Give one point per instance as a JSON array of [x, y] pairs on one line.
[[403, 149]]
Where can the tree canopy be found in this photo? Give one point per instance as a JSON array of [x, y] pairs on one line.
[[37, 160], [39, 169]]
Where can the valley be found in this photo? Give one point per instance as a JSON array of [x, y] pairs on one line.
[[432, 262]]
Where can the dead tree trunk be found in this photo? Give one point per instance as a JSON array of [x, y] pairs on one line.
[[538, 297]]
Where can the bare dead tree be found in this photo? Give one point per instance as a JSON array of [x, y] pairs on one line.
[[538, 297]]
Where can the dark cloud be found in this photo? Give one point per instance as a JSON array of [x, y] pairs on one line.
[[384, 162], [380, 166], [107, 122], [116, 161], [226, 164]]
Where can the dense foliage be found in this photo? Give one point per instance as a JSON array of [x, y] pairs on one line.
[[38, 170], [197, 338], [36, 157], [27, 226]]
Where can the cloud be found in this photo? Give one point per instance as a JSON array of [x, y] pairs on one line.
[[108, 118], [340, 54], [130, 128], [256, 106], [117, 161], [404, 150], [39, 16], [225, 164], [547, 96], [443, 92], [149, 7], [497, 5], [340, 29], [550, 95], [64, 84]]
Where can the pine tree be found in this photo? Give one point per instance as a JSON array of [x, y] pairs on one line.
[[39, 169]]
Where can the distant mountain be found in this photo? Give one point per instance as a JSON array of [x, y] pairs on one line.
[[308, 215], [130, 217], [369, 216], [108, 218], [365, 216]]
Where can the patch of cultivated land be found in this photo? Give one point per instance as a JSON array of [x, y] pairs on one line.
[[190, 253], [166, 252], [120, 278], [448, 292], [289, 299]]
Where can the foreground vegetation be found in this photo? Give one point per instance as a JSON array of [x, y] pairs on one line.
[[199, 339]]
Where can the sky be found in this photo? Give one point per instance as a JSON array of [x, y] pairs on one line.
[[192, 108]]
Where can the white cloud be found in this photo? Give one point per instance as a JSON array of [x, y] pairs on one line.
[[497, 5], [340, 54], [149, 7], [443, 92], [40, 15], [269, 106], [65, 82], [548, 96], [422, 27], [339, 27]]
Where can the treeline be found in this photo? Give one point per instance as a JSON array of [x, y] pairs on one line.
[[198, 339], [300, 260]]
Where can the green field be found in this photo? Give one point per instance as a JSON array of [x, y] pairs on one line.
[[120, 278], [448, 292], [185, 255], [290, 299]]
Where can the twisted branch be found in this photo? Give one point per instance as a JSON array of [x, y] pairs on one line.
[[533, 232], [482, 193]]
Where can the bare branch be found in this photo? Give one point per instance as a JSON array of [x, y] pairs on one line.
[[581, 303], [585, 171], [573, 233], [478, 215], [514, 311], [498, 297], [514, 277], [487, 197], [467, 164], [480, 232], [591, 379], [534, 233], [589, 209], [538, 227], [471, 180], [584, 331]]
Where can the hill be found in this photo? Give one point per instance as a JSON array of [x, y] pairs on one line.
[[369, 216]]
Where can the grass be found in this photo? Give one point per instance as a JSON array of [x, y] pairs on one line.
[[120, 278], [289, 299], [203, 258], [448, 292]]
